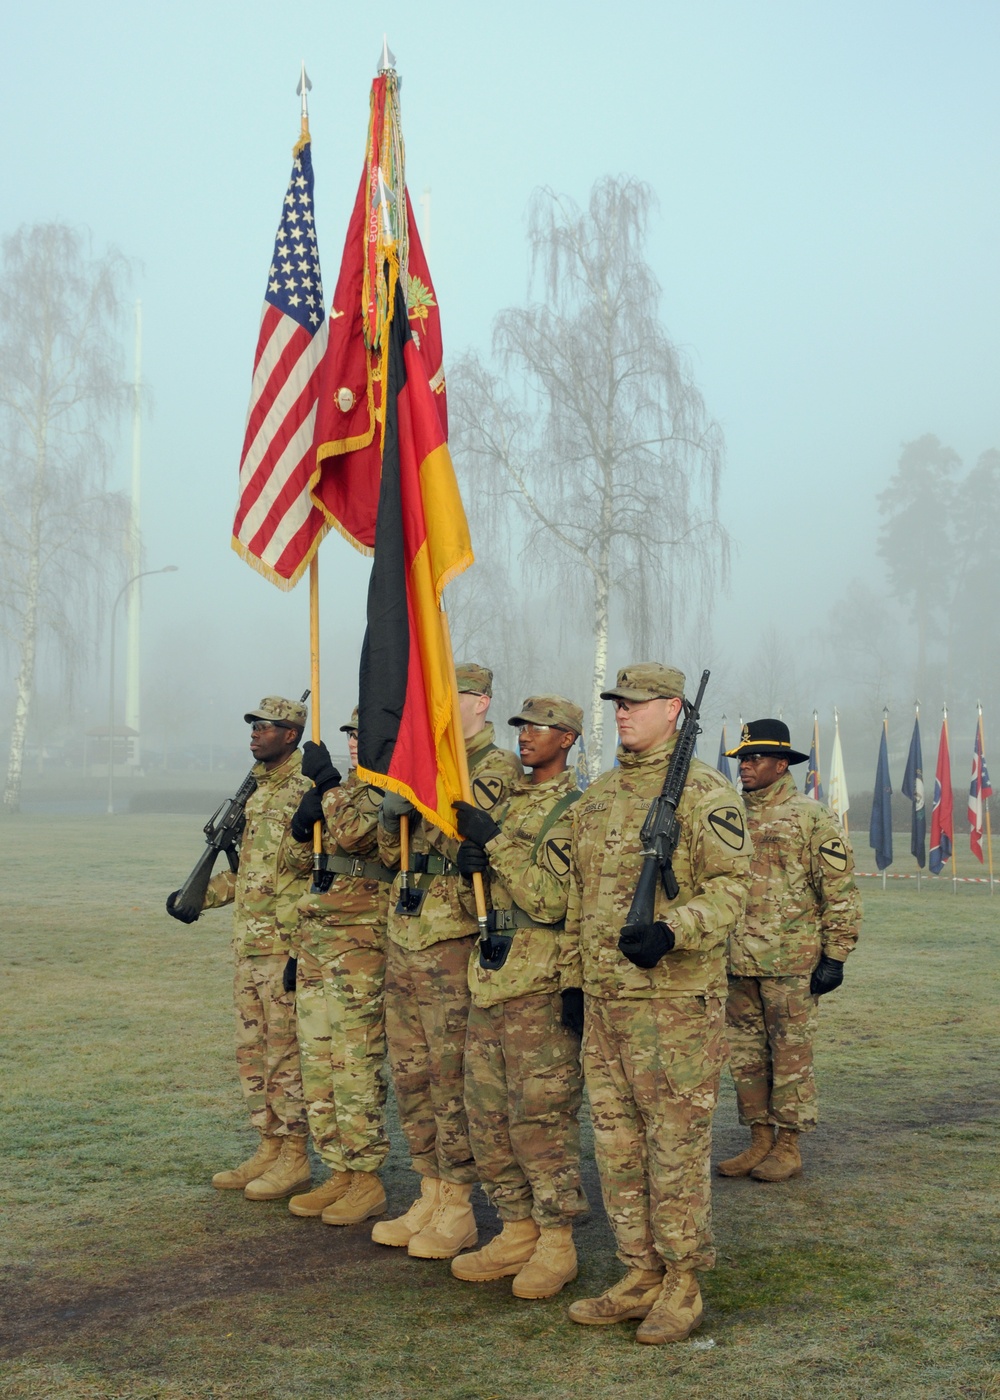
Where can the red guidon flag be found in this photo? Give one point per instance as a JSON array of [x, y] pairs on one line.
[[408, 740], [381, 234], [278, 526]]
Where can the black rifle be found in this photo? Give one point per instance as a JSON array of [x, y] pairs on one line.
[[660, 831], [223, 832]]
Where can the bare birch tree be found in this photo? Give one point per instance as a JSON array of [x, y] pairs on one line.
[[595, 431], [61, 388]]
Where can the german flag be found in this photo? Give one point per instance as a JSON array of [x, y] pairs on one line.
[[408, 740]]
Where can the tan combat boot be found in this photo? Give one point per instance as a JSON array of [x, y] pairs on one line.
[[364, 1198], [761, 1142], [241, 1176], [551, 1267], [398, 1233], [452, 1227], [315, 1202], [783, 1160], [506, 1254], [287, 1175], [677, 1311], [631, 1297]]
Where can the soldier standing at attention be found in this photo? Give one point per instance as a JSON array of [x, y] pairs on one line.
[[523, 1084], [264, 894], [803, 918], [654, 1039], [340, 988], [427, 995]]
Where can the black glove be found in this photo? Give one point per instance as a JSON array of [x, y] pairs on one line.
[[827, 976], [316, 764], [572, 1010], [185, 916], [288, 975], [645, 944], [393, 807], [309, 812], [474, 824], [472, 859]]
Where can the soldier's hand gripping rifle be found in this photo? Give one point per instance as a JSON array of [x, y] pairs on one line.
[[223, 832], [660, 831]]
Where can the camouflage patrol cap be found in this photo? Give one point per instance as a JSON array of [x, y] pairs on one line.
[[647, 680], [352, 726], [553, 710], [279, 711], [474, 679]]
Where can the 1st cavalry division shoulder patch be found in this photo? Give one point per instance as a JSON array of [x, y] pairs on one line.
[[727, 823], [556, 856], [834, 852], [487, 792]]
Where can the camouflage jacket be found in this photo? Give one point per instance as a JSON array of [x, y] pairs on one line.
[[350, 832], [442, 915], [265, 889], [711, 863], [536, 882], [803, 898]]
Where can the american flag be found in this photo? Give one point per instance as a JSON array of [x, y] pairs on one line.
[[979, 792], [278, 527]]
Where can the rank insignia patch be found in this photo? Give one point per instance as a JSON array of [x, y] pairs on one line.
[[487, 792], [727, 823], [834, 852]]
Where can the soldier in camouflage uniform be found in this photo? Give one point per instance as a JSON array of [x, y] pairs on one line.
[[264, 893], [654, 1039], [523, 1084], [427, 995], [340, 989], [803, 918]]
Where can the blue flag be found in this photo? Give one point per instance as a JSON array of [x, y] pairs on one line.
[[880, 827], [913, 788], [722, 762]]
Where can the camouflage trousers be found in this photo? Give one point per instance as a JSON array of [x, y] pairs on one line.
[[771, 1024], [267, 1052], [340, 1006], [652, 1068], [426, 1010], [523, 1090]]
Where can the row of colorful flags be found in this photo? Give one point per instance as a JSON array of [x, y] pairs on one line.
[[942, 836]]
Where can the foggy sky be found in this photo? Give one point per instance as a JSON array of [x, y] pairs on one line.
[[826, 240]]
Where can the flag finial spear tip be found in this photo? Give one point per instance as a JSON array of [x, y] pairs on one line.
[[387, 63], [304, 87]]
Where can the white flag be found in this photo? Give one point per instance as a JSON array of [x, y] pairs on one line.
[[837, 785]]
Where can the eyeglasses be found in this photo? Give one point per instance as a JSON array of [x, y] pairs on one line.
[[627, 705], [754, 757], [258, 724], [528, 728]]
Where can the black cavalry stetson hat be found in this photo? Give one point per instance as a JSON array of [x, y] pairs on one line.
[[767, 736]]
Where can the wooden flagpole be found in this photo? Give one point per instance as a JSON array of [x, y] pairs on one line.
[[885, 731], [303, 90], [916, 716]]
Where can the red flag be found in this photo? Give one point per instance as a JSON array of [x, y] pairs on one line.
[[345, 481], [942, 817], [408, 740], [278, 527], [979, 793]]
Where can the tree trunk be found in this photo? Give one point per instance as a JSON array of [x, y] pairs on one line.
[[29, 640]]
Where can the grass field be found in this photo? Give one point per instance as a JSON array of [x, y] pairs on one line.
[[124, 1275]]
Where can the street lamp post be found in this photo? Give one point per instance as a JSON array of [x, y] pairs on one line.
[[167, 569]]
